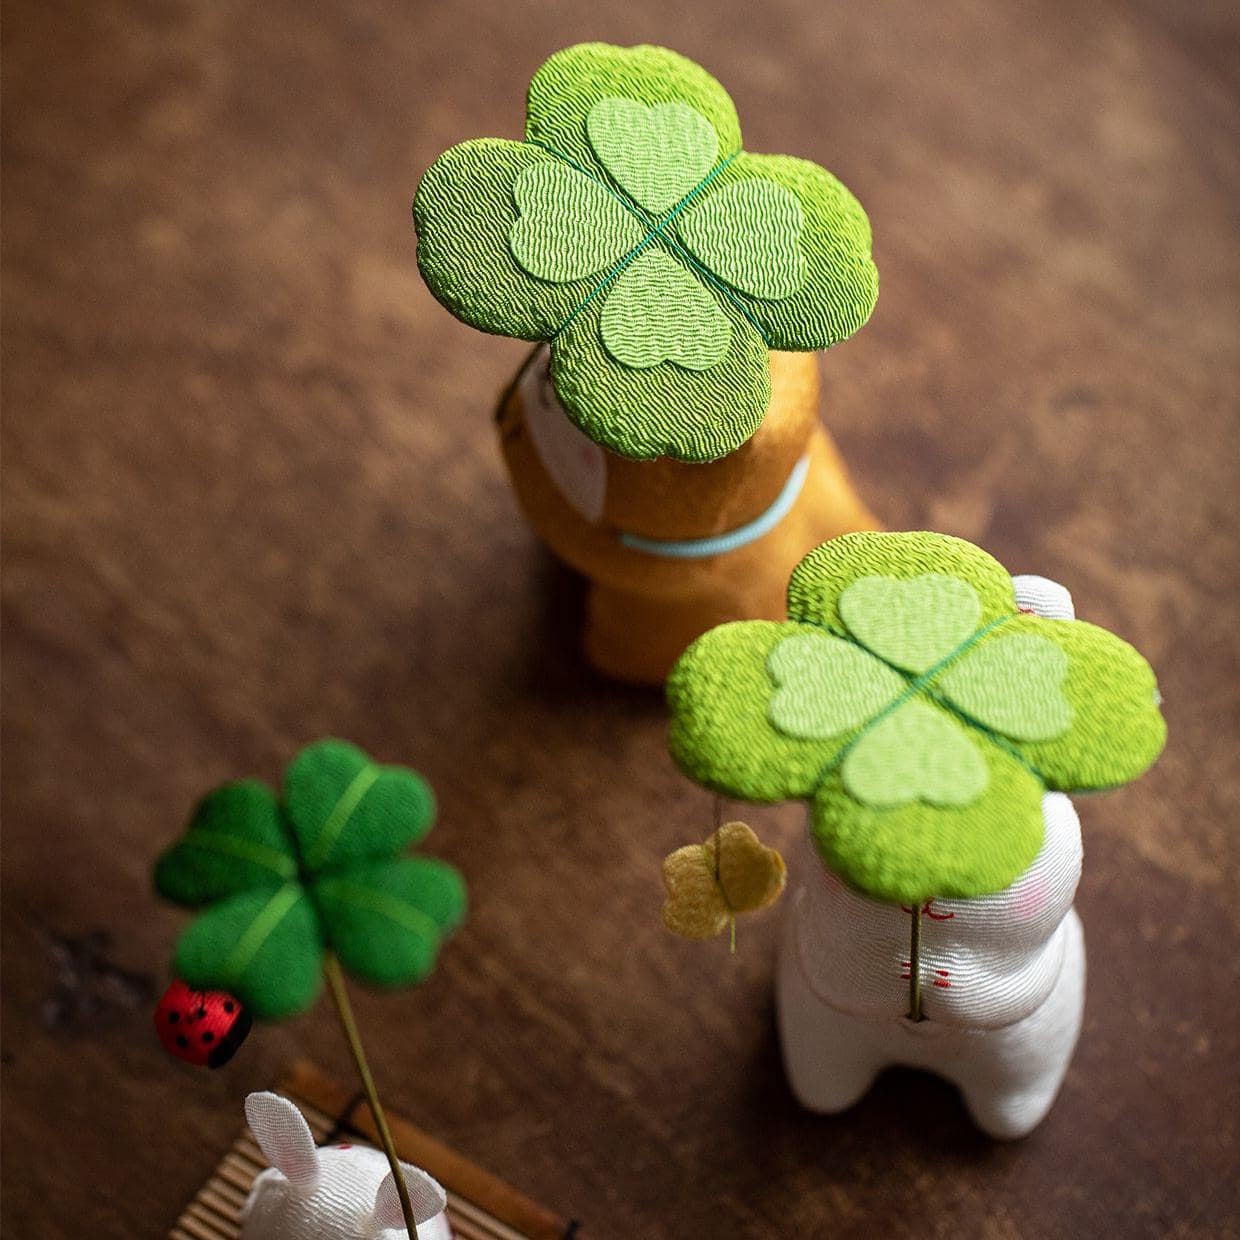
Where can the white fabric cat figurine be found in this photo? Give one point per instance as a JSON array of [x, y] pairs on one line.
[[341, 1192], [1003, 976]]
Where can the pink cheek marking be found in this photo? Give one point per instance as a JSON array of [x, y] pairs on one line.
[[344, 1145], [1031, 901]]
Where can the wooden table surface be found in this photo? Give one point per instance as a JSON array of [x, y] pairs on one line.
[[252, 496]]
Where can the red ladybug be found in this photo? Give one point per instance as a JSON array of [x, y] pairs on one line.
[[202, 1027]]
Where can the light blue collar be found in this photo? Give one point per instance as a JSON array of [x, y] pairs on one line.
[[721, 544]]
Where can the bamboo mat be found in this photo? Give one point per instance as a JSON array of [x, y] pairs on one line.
[[480, 1206]]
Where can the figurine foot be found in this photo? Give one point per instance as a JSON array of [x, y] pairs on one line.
[[1010, 1086], [827, 1058]]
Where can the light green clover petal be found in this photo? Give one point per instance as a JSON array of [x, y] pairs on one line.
[[825, 686], [657, 153], [573, 82], [919, 850], [821, 578], [464, 211], [911, 623], [666, 409], [1013, 684], [386, 920], [570, 226], [721, 732], [917, 753], [657, 312], [265, 947], [748, 233], [840, 284], [1116, 728]]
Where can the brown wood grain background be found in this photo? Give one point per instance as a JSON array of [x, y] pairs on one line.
[[251, 496]]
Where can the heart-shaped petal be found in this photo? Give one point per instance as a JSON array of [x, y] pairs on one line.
[[707, 884], [911, 623], [236, 842], [658, 312], [569, 225], [345, 808], [917, 753], [1013, 684], [265, 947], [657, 153], [826, 686], [748, 234]]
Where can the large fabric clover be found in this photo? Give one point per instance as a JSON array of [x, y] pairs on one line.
[[661, 260], [917, 709], [283, 882]]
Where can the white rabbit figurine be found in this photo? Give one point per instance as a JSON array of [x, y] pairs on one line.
[[1003, 976], [341, 1192]]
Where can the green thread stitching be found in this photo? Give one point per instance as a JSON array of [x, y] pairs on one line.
[[260, 930], [655, 233], [386, 906], [631, 207], [648, 221], [916, 685], [246, 850], [340, 815]]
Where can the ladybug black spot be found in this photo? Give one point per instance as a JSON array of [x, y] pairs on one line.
[[182, 1040], [202, 1011], [208, 1038], [173, 1017], [230, 1006]]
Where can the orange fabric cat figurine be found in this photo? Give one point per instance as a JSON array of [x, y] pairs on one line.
[[640, 531]]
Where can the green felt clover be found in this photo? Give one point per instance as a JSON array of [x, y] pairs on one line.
[[282, 882], [660, 259], [917, 710]]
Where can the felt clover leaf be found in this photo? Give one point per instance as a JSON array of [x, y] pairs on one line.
[[281, 883], [917, 710], [660, 259], [708, 884]]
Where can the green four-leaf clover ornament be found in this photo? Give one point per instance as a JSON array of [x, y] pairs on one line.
[[282, 881], [917, 710], [659, 259]]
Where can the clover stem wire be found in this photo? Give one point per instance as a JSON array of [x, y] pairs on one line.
[[340, 997], [914, 963]]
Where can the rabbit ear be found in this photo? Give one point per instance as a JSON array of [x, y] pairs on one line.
[[284, 1136], [425, 1195]]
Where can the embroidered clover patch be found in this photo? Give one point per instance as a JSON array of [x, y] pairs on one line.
[[281, 882], [917, 710], [661, 260]]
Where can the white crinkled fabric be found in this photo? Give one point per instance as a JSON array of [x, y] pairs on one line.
[[1003, 976]]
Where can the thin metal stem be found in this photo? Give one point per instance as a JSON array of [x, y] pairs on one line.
[[340, 997], [914, 964]]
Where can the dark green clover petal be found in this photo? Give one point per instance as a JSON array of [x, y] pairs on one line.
[[825, 573], [345, 808], [569, 86], [668, 405], [265, 947], [1116, 729], [840, 283], [385, 920], [464, 211], [235, 842], [722, 736], [918, 850]]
